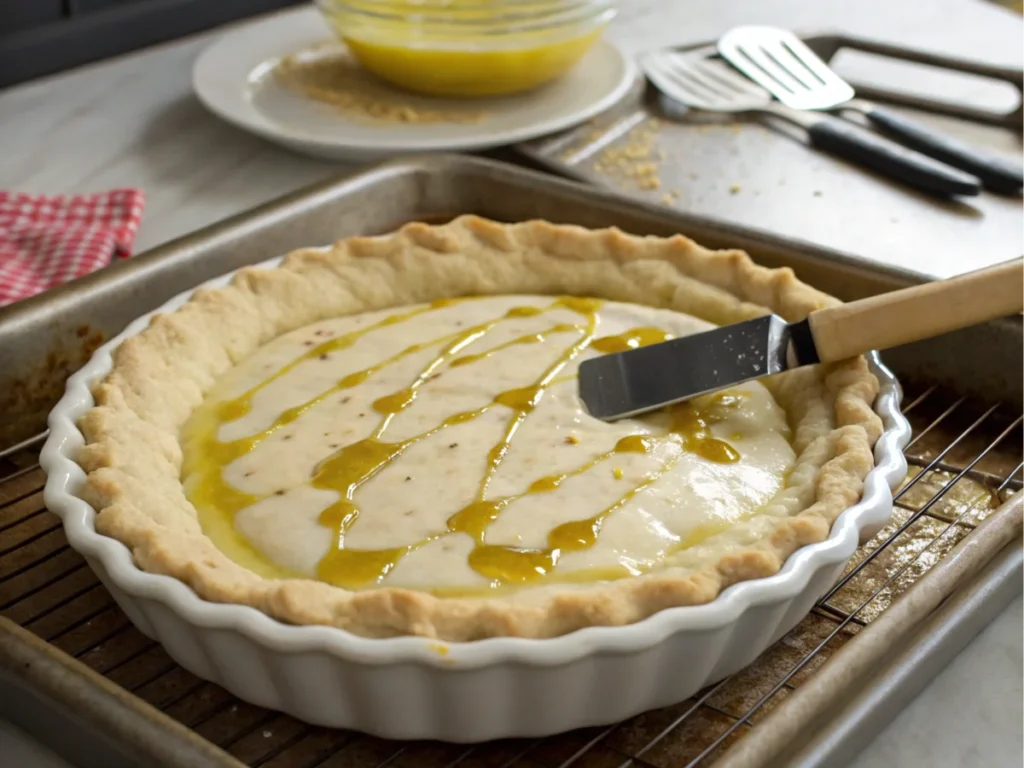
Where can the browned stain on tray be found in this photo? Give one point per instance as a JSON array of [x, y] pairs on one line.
[[975, 425], [967, 501], [688, 739], [907, 558], [27, 400], [47, 588]]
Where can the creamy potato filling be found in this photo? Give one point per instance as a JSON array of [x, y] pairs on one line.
[[443, 447]]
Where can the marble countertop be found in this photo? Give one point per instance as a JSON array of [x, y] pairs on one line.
[[133, 121]]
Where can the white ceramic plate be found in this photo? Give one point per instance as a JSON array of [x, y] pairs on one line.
[[415, 688], [234, 80]]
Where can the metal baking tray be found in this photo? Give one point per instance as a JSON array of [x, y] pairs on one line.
[[952, 555], [760, 171]]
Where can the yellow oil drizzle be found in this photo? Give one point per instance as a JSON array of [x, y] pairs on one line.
[[531, 338], [235, 409], [344, 471], [689, 431], [631, 339]]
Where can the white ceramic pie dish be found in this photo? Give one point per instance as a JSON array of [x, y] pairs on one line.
[[415, 688]]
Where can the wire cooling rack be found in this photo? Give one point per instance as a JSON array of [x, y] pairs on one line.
[[965, 459]]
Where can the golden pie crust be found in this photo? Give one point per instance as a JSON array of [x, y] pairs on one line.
[[133, 456]]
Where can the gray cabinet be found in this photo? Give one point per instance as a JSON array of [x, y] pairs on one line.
[[16, 15], [84, 6], [41, 37]]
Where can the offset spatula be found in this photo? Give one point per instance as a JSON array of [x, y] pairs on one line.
[[639, 380]]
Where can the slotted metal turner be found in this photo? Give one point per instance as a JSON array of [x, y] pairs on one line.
[[782, 63], [715, 86]]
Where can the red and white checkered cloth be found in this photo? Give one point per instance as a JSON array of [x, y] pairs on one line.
[[47, 240]]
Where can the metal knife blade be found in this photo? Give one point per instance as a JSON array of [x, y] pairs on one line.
[[623, 384]]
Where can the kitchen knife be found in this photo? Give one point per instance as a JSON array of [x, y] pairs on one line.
[[636, 381]]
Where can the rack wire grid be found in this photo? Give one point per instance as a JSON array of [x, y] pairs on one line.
[[965, 460]]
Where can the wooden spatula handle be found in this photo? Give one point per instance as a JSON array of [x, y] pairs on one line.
[[912, 314]]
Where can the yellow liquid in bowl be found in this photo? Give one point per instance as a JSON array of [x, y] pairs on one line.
[[467, 73], [438, 58]]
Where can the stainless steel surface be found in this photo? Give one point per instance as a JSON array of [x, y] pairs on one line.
[[48, 589], [639, 380], [89, 720], [782, 63]]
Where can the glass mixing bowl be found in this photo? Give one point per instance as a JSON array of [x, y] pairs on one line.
[[468, 48]]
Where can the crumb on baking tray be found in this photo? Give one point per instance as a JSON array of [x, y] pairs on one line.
[[634, 161]]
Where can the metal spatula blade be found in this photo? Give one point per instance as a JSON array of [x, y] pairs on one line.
[[624, 384], [781, 62], [639, 380]]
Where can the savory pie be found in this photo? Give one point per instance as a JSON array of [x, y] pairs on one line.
[[385, 436]]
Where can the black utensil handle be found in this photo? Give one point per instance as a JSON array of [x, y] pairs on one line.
[[995, 173], [861, 146]]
